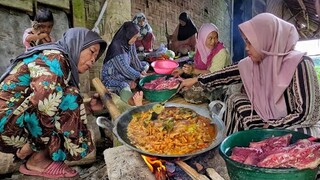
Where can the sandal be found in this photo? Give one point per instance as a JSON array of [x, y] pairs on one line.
[[54, 170]]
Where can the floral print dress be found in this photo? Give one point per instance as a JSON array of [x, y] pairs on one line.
[[38, 106]]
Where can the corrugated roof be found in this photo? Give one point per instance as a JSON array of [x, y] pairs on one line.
[[306, 16]]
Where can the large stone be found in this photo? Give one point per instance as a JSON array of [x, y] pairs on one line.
[[125, 164]]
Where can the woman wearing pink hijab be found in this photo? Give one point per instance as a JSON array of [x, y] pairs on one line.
[[210, 56], [281, 85]]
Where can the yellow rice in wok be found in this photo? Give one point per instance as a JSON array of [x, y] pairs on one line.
[[176, 131]]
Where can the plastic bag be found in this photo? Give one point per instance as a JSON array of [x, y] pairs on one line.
[[160, 51], [217, 109]]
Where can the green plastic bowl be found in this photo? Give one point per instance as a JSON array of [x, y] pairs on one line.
[[241, 171], [155, 95]]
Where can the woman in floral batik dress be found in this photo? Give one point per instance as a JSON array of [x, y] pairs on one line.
[[42, 114]]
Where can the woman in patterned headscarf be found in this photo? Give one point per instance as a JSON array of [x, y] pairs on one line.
[[145, 41], [121, 66], [42, 112], [281, 85], [183, 38]]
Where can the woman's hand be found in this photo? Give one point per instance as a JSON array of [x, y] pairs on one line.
[[96, 104], [45, 37], [187, 83], [132, 84], [144, 73], [187, 68], [177, 72], [266, 126]]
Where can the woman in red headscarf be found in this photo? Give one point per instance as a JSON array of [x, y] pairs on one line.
[[281, 85]]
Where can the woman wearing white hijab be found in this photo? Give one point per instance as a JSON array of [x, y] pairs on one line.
[[146, 39], [281, 85]]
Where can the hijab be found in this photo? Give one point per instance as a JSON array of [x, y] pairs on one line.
[[146, 27], [120, 42], [71, 44], [265, 82], [139, 17], [204, 55], [187, 30]]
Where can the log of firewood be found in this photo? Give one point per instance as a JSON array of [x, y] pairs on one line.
[[191, 172], [213, 174]]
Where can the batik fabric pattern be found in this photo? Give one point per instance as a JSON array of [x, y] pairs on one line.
[[37, 106]]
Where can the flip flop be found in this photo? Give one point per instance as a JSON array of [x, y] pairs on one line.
[[54, 170]]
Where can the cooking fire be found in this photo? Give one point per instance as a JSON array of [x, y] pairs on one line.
[[174, 169], [156, 166]]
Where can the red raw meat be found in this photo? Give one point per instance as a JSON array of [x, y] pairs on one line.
[[303, 154], [276, 152], [161, 83], [149, 86], [307, 158], [161, 86], [240, 154], [253, 158], [273, 142]]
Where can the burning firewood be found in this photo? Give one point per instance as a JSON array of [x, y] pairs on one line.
[[213, 174], [156, 166], [191, 172]]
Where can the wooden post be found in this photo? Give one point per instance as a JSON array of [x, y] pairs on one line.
[[108, 103]]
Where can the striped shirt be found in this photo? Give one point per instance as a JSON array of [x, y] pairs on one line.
[[302, 98]]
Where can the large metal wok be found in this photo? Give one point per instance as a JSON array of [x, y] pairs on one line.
[[121, 124]]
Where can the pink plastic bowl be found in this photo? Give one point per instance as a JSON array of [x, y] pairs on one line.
[[164, 66]]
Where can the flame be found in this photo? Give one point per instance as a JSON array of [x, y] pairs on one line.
[[156, 166]]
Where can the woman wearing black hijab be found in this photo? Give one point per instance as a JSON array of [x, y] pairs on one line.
[[42, 114], [183, 38], [122, 67]]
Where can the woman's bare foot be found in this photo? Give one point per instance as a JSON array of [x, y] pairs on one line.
[[37, 163], [137, 98], [24, 151]]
